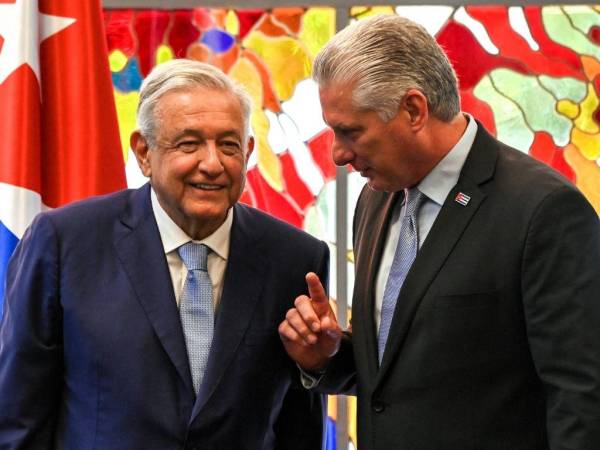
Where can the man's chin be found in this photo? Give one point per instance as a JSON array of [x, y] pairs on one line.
[[377, 185]]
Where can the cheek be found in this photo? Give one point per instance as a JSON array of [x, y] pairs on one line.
[[177, 168], [237, 176]]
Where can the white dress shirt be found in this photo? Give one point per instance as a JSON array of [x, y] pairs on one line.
[[173, 237], [436, 186]]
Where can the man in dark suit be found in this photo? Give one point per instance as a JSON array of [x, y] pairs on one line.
[[476, 308], [105, 341]]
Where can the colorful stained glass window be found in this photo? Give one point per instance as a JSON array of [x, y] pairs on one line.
[[530, 74]]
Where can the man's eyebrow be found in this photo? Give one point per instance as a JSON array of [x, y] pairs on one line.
[[187, 132], [347, 127], [230, 133], [198, 134]]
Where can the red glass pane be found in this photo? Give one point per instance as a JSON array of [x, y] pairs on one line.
[[548, 46], [118, 31], [320, 148], [512, 45], [272, 201], [463, 49], [247, 19], [150, 29], [183, 32], [479, 109], [202, 19], [294, 185], [594, 34]]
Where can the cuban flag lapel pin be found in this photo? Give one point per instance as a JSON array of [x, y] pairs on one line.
[[462, 199]]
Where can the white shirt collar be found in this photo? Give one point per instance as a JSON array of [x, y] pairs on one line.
[[174, 237], [444, 176]]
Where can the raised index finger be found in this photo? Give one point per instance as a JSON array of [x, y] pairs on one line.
[[316, 290]]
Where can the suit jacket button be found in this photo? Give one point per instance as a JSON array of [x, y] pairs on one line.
[[378, 407]]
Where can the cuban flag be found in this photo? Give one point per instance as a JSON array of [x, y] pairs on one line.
[[59, 136]]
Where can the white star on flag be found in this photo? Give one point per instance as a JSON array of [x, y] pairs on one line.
[[23, 28]]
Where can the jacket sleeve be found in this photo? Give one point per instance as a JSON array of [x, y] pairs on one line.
[[31, 342], [340, 376], [561, 298], [301, 423]]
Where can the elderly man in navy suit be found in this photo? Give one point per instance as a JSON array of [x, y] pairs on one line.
[[147, 319]]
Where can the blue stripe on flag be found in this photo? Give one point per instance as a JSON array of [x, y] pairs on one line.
[[8, 242]]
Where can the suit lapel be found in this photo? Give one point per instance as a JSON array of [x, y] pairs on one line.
[[374, 238], [242, 286], [447, 229], [139, 248]]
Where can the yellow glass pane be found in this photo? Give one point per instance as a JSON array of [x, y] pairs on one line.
[[332, 406], [587, 175], [568, 108], [117, 60], [269, 166], [318, 27], [126, 105], [286, 58], [360, 12], [163, 54], [232, 24], [588, 144], [585, 122], [246, 73], [268, 163]]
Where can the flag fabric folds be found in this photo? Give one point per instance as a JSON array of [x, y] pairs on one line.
[[59, 137]]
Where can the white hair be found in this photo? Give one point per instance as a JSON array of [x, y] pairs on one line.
[[184, 74], [385, 56]]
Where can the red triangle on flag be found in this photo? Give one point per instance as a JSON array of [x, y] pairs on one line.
[[59, 135]]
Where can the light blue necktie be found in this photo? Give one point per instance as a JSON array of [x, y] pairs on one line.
[[196, 309], [406, 251]]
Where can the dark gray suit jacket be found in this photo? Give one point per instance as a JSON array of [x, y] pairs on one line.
[[495, 340]]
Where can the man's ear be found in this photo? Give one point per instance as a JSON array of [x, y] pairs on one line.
[[140, 148], [414, 103], [250, 148]]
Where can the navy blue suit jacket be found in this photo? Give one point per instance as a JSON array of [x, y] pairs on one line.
[[92, 354]]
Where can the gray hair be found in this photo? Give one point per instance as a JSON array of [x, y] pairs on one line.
[[385, 56], [181, 74]]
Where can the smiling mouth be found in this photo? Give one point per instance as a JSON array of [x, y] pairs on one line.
[[207, 187]]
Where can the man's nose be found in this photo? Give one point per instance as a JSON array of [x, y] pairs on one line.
[[210, 159], [340, 153]]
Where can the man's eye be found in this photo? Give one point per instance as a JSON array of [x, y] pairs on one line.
[[350, 134], [188, 146], [230, 147]]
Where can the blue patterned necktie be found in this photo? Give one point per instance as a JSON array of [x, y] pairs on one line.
[[196, 309], [406, 251]]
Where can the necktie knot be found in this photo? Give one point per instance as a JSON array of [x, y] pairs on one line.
[[194, 256], [413, 199]]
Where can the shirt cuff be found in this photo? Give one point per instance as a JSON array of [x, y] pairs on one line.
[[310, 380]]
